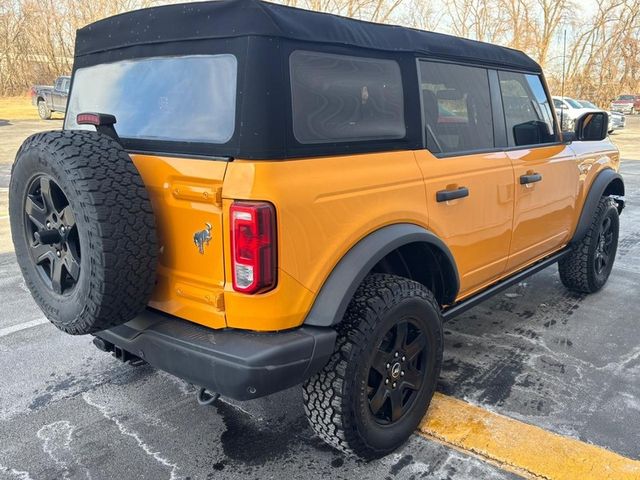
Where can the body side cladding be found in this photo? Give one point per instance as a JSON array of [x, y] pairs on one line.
[[339, 288], [608, 182]]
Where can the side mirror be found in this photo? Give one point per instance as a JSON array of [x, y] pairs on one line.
[[531, 133], [592, 126]]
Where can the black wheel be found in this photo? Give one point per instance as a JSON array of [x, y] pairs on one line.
[[51, 226], [43, 110], [374, 391], [83, 230], [587, 268]]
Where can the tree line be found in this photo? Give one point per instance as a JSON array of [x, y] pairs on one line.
[[601, 57]]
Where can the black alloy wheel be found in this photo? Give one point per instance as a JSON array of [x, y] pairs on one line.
[[397, 371], [604, 244], [51, 229]]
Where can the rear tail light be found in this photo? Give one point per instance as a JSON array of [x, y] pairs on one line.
[[253, 246]]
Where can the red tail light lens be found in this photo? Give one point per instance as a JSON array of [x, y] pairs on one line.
[[253, 246]]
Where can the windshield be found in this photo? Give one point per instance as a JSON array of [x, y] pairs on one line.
[[572, 103], [186, 99], [625, 97], [586, 104]]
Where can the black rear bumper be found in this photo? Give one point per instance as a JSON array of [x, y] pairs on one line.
[[235, 363]]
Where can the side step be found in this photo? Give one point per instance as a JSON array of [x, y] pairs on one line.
[[461, 307]]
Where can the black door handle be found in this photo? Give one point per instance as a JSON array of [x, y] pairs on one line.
[[531, 178], [446, 195]]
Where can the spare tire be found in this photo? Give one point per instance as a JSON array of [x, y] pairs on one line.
[[83, 230]]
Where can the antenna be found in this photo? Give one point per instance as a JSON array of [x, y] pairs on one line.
[[564, 60]]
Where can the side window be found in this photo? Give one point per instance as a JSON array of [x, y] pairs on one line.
[[65, 85], [339, 98], [456, 104], [558, 103], [58, 84], [527, 111]]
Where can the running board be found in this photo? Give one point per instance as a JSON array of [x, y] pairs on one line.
[[464, 305]]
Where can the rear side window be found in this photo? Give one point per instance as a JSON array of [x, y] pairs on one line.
[[527, 111], [456, 105], [339, 98], [186, 99]]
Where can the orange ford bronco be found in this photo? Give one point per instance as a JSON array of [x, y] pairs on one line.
[[251, 196]]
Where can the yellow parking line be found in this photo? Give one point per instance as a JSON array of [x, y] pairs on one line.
[[521, 447]]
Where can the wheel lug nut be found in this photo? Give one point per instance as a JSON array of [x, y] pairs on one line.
[[397, 354], [404, 358], [402, 373], [48, 224], [62, 229], [388, 366], [58, 253], [386, 381], [394, 385]]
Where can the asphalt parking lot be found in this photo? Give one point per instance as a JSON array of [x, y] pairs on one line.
[[537, 354]]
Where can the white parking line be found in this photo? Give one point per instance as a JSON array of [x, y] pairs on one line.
[[22, 326]]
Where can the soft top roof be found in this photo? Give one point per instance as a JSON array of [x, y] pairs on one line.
[[238, 18]]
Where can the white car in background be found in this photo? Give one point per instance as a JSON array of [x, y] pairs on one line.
[[569, 110], [617, 120]]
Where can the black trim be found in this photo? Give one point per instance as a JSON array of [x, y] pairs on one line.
[[461, 307], [531, 178], [180, 155], [235, 363], [446, 195], [598, 187], [500, 136], [496, 150], [336, 293]]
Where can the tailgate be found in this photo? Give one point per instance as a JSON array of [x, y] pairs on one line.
[[186, 195]]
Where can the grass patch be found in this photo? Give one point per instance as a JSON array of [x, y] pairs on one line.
[[18, 108]]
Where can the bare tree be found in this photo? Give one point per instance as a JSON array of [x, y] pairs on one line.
[[603, 52]]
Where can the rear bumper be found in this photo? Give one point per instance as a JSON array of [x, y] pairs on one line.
[[235, 363]]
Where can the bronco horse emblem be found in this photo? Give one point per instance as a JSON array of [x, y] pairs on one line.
[[202, 238]]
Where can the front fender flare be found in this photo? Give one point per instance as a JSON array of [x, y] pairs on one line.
[[606, 178], [337, 291]]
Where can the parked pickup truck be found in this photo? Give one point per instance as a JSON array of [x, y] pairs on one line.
[[626, 104], [51, 99]]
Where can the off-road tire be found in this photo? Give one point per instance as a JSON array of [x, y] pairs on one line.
[[578, 270], [43, 110], [336, 399], [116, 233]]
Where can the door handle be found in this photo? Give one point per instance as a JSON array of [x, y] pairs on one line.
[[530, 178], [446, 195]]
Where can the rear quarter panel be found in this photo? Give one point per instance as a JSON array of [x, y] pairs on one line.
[[324, 206]]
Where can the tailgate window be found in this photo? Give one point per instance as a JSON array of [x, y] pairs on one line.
[[186, 99]]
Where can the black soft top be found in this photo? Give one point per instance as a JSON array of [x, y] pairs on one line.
[[262, 37], [237, 18]]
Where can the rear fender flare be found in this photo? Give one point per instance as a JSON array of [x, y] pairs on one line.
[[607, 182], [337, 291]]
